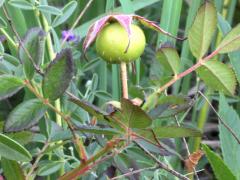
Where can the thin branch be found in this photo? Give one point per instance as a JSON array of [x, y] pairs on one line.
[[39, 156], [94, 160], [38, 70], [162, 165], [187, 148], [46, 102], [77, 20], [220, 119], [134, 172]]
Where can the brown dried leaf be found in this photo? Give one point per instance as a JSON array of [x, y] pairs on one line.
[[193, 159]]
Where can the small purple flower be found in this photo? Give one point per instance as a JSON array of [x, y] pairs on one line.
[[68, 35], [2, 38]]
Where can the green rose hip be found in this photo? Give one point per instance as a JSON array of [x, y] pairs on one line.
[[112, 43]]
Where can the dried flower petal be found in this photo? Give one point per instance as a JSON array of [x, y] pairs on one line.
[[125, 21], [93, 32], [154, 26]]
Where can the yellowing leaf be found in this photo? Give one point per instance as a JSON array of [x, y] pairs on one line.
[[231, 42], [218, 76], [169, 59], [202, 30]]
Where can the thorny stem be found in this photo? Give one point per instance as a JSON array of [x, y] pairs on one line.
[[39, 156], [162, 165], [124, 80], [77, 20], [220, 119]]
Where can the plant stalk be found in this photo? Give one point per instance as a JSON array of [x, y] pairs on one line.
[[85, 166], [124, 80]]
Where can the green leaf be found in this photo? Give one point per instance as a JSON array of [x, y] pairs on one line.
[[234, 57], [98, 130], [23, 137], [57, 45], [171, 105], [169, 59], [49, 9], [90, 65], [218, 76], [170, 19], [58, 75], [203, 28], [3, 23], [231, 42], [49, 168], [12, 150], [9, 85], [21, 4], [176, 132], [33, 43], [90, 108], [229, 145], [25, 115], [96, 112], [133, 115], [67, 11], [9, 167], [103, 95], [1, 45], [127, 6], [221, 171]]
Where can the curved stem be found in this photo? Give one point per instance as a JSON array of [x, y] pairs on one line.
[[124, 80], [38, 158]]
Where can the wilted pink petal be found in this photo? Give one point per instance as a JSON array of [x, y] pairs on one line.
[[125, 21], [154, 26], [93, 31]]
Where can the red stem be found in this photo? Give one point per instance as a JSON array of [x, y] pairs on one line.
[[188, 71]]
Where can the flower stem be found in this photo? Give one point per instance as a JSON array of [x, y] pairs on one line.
[[124, 80]]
